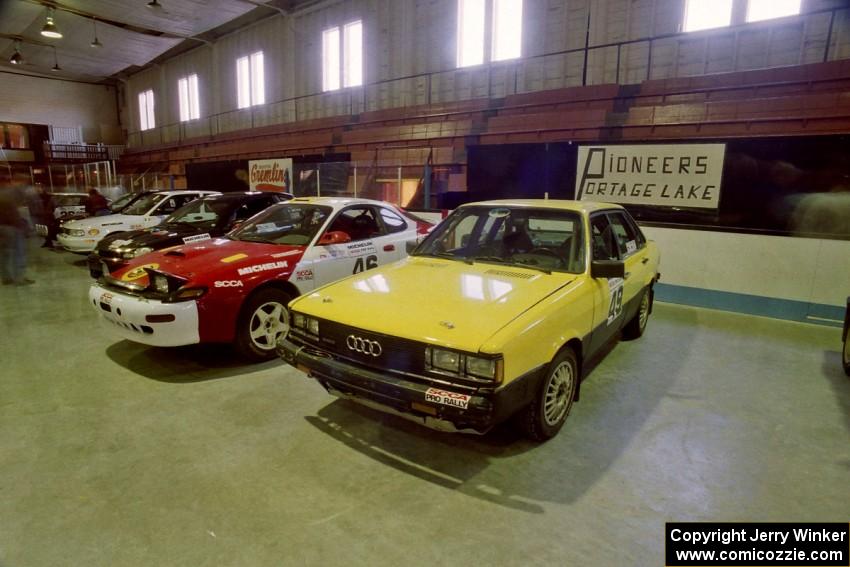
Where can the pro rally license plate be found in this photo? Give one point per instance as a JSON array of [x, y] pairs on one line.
[[446, 398]]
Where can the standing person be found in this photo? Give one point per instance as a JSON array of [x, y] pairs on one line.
[[97, 204], [13, 229]]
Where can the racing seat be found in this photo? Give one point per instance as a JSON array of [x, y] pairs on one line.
[[363, 226], [516, 242]]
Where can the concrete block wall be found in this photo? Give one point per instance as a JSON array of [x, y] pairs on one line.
[[37, 100]]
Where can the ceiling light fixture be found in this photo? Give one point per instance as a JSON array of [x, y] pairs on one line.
[[95, 42], [50, 29], [154, 4], [17, 58], [56, 66]]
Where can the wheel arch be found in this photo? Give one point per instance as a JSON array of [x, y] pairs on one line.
[[283, 285]]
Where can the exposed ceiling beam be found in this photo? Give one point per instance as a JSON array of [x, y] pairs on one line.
[[118, 24]]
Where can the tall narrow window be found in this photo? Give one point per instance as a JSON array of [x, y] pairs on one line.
[[352, 54], [330, 59], [470, 32], [707, 14], [758, 10], [146, 110], [250, 80], [504, 42], [187, 89], [507, 29], [342, 57]]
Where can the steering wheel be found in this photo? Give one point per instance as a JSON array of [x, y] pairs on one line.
[[545, 252]]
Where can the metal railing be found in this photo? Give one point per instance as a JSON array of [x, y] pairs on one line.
[[354, 100], [81, 153]]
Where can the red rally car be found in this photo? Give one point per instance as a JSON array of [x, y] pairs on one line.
[[236, 288]]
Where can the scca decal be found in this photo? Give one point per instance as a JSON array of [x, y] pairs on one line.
[[138, 272], [262, 268], [228, 283]]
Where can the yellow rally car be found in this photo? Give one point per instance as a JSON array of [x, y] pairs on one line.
[[492, 315]]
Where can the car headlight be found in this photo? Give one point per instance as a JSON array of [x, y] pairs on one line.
[[160, 283], [301, 321], [481, 367], [94, 231], [130, 254], [463, 365], [445, 360]]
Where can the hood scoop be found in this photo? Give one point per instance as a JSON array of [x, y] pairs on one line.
[[176, 253], [510, 274]]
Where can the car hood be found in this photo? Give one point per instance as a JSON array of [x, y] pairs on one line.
[[442, 302], [220, 258], [157, 237], [115, 222]]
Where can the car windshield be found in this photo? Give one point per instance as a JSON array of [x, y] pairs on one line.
[[122, 201], [70, 200], [201, 213], [144, 204], [544, 239], [294, 224]]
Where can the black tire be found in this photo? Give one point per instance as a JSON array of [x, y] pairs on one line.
[[540, 420], [251, 341], [635, 328], [845, 354]]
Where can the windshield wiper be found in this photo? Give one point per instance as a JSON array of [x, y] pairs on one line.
[[498, 259], [446, 255], [533, 267], [253, 239]]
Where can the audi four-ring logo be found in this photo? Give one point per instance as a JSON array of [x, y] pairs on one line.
[[363, 346]]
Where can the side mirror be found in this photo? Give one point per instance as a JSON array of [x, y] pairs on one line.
[[607, 269], [410, 246], [334, 237]]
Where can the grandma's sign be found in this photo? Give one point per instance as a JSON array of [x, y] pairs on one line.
[[273, 175], [672, 175]]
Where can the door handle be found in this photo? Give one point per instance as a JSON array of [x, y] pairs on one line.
[[644, 261], [389, 247]]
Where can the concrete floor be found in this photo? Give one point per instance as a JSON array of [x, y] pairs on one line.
[[112, 453]]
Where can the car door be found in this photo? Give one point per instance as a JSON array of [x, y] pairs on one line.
[[633, 251], [354, 241], [608, 292]]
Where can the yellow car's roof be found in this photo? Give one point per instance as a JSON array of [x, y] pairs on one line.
[[563, 204]]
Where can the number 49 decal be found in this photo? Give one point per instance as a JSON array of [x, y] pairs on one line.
[[371, 261], [616, 306]]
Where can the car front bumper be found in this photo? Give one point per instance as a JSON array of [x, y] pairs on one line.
[[409, 398], [128, 317], [77, 244]]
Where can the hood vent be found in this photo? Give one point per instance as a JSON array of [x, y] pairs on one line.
[[509, 274], [177, 253]]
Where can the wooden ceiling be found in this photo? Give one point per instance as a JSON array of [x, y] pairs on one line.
[[132, 34]]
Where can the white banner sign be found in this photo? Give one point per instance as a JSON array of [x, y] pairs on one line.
[[271, 175], [672, 175]]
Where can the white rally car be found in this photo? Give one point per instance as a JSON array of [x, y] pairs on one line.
[[81, 236], [235, 289]]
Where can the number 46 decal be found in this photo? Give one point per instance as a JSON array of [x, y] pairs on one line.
[[371, 261], [616, 306]]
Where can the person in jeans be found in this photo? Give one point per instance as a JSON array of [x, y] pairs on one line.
[[13, 229]]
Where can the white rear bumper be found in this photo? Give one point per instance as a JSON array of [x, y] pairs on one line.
[[127, 317]]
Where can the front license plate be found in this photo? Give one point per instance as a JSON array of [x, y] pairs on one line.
[[446, 398]]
